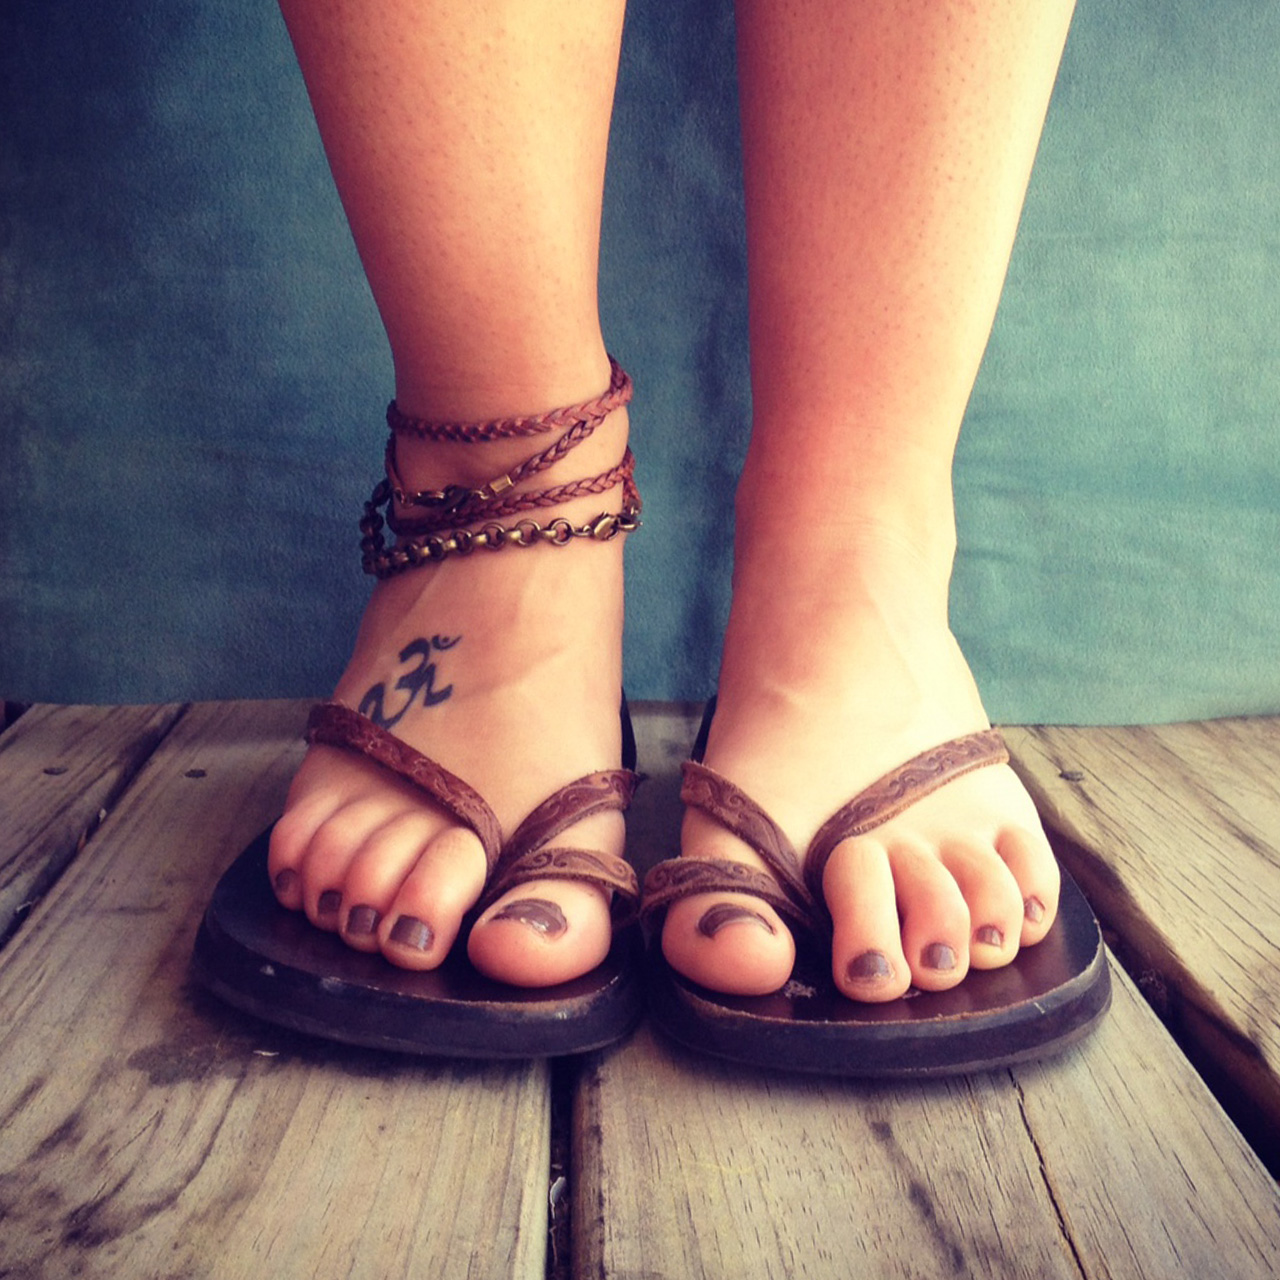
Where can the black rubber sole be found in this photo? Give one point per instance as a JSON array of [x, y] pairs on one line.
[[1048, 999], [276, 965]]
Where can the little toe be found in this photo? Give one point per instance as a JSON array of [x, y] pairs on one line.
[[541, 933], [936, 925], [867, 961], [1035, 870], [732, 943], [421, 923]]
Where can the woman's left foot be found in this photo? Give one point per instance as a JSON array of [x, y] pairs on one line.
[[823, 690]]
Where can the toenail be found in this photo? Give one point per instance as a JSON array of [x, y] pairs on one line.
[[286, 882], [329, 902], [540, 914], [1033, 909], [938, 956], [715, 918], [409, 931], [362, 921], [989, 936], [868, 966]]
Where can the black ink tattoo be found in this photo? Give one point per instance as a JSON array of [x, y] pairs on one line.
[[421, 680]]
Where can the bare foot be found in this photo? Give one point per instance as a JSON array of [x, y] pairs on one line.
[[836, 671], [505, 667]]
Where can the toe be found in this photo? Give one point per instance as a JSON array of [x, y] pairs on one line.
[[936, 925], [1035, 870], [376, 873], [541, 933], [867, 961], [729, 942], [993, 898], [324, 863], [421, 922]]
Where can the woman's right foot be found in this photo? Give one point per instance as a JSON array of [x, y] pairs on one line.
[[505, 668]]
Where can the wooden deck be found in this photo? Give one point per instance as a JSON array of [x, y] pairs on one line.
[[147, 1131]]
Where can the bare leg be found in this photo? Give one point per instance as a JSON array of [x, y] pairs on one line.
[[888, 146], [467, 139]]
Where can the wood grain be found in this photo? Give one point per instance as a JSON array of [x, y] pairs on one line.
[[62, 769], [150, 1132], [1174, 833], [1113, 1161]]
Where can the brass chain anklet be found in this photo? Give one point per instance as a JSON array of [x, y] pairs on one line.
[[446, 526]]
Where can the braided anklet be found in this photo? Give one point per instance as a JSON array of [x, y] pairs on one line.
[[447, 525]]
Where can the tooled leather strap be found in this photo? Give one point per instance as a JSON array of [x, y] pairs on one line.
[[526, 856], [733, 809], [899, 789], [523, 857], [335, 725]]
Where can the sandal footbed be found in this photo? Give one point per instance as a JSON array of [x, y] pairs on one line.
[[1051, 996], [274, 964]]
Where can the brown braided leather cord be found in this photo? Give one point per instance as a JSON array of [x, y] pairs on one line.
[[442, 521], [884, 799], [598, 408], [523, 857]]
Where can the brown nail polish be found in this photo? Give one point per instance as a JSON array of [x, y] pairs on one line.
[[362, 921], [540, 914], [329, 902], [989, 936], [868, 966], [409, 931], [715, 918], [939, 957], [286, 882], [1033, 909]]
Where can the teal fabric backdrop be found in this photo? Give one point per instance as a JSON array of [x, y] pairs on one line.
[[192, 373]]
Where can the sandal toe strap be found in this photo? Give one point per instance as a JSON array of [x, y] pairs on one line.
[[679, 878], [587, 866]]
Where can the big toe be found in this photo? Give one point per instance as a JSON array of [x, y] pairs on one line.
[[731, 943], [541, 933]]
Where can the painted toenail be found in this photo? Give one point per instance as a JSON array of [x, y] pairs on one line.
[[286, 882], [362, 921], [938, 956], [329, 902], [723, 913], [409, 931], [989, 936], [540, 914], [1033, 909], [868, 966]]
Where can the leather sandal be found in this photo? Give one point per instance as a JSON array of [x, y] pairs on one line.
[[1048, 998], [273, 963]]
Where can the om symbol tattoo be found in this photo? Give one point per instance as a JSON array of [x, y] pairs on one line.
[[420, 681]]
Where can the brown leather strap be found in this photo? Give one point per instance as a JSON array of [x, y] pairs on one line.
[[524, 857], [587, 866], [794, 895], [335, 725], [899, 789]]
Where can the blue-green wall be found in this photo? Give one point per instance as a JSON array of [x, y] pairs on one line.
[[192, 373]]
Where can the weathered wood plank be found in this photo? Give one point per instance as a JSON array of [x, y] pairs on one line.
[[1112, 1161], [1174, 833], [62, 769], [148, 1131]]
